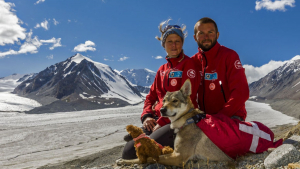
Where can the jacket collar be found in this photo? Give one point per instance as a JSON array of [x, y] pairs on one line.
[[212, 53], [175, 61]]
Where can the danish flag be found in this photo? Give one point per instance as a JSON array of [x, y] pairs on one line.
[[254, 130], [236, 138]]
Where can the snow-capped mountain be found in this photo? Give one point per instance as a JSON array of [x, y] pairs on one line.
[[141, 79], [80, 80], [281, 83], [9, 83]]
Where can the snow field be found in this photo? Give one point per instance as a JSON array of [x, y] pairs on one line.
[[13, 102], [265, 114], [34, 140], [30, 141]]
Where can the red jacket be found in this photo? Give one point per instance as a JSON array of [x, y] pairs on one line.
[[222, 64], [236, 138], [170, 77]]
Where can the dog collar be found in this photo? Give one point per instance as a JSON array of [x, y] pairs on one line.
[[195, 119]]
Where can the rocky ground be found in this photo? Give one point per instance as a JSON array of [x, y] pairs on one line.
[[286, 156]]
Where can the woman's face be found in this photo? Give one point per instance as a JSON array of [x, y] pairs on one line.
[[173, 45]]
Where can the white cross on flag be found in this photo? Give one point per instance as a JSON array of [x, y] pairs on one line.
[[256, 132], [236, 138]]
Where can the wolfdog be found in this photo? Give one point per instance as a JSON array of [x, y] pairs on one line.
[[190, 141]]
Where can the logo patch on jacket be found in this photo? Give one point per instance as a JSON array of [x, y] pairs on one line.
[[212, 86], [191, 73], [173, 82], [238, 64], [175, 74], [211, 76]]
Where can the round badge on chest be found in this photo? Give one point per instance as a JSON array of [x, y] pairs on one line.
[[173, 82], [212, 86]]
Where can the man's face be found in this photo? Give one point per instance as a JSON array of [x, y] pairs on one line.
[[206, 35]]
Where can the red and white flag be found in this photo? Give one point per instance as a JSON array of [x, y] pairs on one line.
[[236, 138]]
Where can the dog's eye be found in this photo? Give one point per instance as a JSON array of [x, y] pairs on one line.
[[175, 101], [164, 100]]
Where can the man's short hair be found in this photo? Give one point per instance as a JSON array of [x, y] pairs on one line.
[[205, 20]]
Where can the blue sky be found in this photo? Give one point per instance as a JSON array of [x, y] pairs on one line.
[[35, 34]]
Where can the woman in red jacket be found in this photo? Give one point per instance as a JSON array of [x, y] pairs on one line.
[[169, 77]]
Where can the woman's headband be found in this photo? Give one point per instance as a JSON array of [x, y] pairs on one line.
[[172, 29]]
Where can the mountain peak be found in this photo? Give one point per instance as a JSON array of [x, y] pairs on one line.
[[297, 57], [140, 77], [78, 58], [148, 70]]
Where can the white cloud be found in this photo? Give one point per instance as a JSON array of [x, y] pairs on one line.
[[10, 29], [88, 45], [37, 26], [49, 57], [39, 1], [123, 58], [157, 57], [43, 25], [30, 46], [273, 6], [69, 20], [55, 22], [56, 42], [108, 60], [255, 73]]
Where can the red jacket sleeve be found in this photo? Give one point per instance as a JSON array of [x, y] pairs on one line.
[[151, 98], [237, 85]]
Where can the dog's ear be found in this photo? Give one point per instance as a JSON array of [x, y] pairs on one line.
[[186, 88]]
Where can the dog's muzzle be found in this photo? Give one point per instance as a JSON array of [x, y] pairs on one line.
[[163, 111]]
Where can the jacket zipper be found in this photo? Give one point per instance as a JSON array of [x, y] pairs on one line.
[[167, 74], [204, 80], [222, 91]]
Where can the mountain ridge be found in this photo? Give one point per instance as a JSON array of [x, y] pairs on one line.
[[80, 79], [280, 88]]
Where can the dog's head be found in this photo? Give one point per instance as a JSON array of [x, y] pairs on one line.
[[175, 104], [134, 131]]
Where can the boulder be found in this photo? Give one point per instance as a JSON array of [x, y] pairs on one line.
[[294, 140], [282, 156]]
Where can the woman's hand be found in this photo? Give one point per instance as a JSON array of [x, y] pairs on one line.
[[156, 127], [149, 123]]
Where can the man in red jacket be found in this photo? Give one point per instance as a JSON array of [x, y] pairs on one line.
[[223, 88], [222, 94]]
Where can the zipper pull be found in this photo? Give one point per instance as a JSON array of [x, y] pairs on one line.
[[222, 90]]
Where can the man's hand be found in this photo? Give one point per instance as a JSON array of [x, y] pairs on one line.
[[156, 127], [149, 123]]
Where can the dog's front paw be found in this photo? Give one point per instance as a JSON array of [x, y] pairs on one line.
[[127, 162], [151, 160], [119, 161]]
